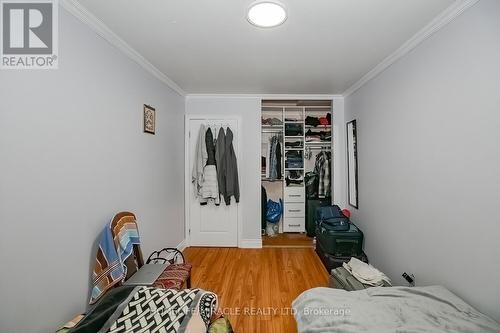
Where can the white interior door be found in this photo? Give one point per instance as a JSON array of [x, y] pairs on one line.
[[210, 225]]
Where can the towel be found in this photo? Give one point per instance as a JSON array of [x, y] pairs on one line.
[[115, 246], [366, 274]]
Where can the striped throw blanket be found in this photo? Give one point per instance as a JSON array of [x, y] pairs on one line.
[[115, 246]]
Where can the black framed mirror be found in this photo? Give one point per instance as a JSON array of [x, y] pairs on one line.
[[352, 164]]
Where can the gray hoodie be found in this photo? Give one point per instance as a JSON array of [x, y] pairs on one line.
[[200, 160]]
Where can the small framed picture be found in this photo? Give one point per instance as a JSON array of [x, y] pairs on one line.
[[149, 119]]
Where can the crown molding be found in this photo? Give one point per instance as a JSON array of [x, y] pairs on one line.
[[448, 15], [80, 12], [267, 96], [430, 29]]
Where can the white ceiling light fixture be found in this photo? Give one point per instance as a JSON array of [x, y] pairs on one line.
[[266, 14]]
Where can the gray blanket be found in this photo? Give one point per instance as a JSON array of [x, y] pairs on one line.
[[385, 310]]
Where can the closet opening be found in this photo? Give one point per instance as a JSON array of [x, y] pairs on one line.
[[296, 169]]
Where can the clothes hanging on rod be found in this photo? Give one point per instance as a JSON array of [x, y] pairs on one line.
[[210, 185], [308, 154], [220, 148], [278, 159], [322, 168], [273, 174], [232, 186], [215, 169], [275, 157], [200, 160]]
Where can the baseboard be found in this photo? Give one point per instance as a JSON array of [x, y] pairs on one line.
[[251, 243], [182, 245], [244, 244]]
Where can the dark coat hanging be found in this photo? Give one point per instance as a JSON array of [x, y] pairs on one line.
[[231, 168]]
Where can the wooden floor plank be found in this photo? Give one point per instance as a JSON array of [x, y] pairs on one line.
[[294, 240], [256, 287]]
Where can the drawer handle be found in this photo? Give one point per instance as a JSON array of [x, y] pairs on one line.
[[294, 210], [295, 195], [294, 225]]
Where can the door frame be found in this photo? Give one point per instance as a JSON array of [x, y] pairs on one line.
[[188, 171]]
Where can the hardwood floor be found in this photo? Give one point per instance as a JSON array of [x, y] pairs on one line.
[[256, 287], [288, 240]]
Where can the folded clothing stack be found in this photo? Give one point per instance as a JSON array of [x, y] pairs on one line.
[[293, 144], [272, 121], [294, 153], [316, 121], [294, 178], [294, 162], [366, 274], [294, 130], [317, 136]]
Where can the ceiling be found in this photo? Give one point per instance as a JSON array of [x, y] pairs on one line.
[[207, 46]]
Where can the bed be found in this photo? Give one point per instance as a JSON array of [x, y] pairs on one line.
[[149, 309], [395, 309]]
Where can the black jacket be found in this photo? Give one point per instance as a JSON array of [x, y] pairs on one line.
[[231, 170]]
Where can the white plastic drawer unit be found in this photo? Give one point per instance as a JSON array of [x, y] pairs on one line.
[[294, 209], [294, 194], [294, 224]]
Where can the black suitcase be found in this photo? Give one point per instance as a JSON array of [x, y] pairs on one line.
[[340, 243], [311, 205], [331, 262]]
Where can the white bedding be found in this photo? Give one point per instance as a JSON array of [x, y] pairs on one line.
[[385, 310]]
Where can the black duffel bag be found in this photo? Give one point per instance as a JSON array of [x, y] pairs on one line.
[[335, 224]]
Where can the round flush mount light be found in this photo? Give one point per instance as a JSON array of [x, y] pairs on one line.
[[266, 14]]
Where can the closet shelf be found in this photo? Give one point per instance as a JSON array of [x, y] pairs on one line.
[[318, 127], [266, 179], [280, 127], [294, 169], [315, 143]]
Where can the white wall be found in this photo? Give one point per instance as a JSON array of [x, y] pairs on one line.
[[429, 160], [339, 153], [248, 108], [72, 154], [249, 164]]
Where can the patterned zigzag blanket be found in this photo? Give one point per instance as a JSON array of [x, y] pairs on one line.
[[150, 310], [115, 246]]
